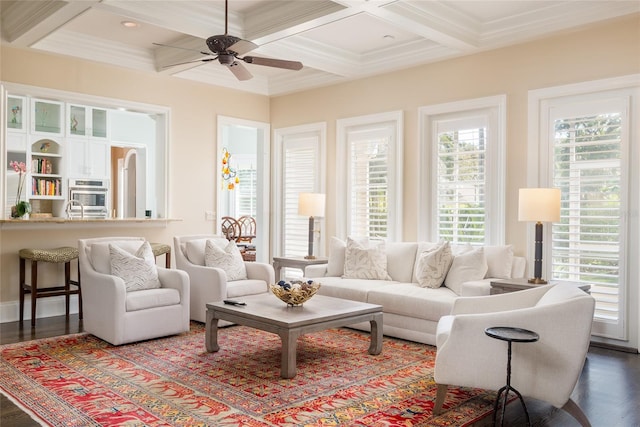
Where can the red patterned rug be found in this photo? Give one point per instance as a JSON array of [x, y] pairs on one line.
[[79, 380]]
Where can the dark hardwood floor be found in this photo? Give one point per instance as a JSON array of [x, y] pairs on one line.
[[608, 390]]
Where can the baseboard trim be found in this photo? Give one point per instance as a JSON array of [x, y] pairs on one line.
[[45, 307]]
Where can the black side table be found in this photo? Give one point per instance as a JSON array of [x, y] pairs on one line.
[[510, 335]]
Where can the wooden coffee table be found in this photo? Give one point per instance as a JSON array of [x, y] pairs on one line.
[[267, 313]]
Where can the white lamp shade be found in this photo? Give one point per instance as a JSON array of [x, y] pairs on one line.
[[539, 204], [311, 204]]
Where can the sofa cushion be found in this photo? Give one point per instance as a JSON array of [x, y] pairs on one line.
[[499, 261], [240, 288], [138, 271], [335, 264], [365, 260], [407, 299], [400, 260], [194, 249], [152, 298], [228, 258], [352, 289], [433, 265], [468, 266]]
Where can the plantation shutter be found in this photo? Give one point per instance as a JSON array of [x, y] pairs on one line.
[[461, 180], [300, 174], [588, 242], [246, 200]]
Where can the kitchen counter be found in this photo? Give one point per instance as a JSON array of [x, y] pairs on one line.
[[85, 222]]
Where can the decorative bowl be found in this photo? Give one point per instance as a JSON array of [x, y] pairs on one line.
[[296, 292]]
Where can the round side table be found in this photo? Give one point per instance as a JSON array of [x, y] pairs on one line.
[[510, 335]]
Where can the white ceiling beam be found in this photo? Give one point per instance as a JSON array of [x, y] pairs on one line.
[[26, 22]]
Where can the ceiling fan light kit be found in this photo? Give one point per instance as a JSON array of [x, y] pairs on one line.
[[227, 50]]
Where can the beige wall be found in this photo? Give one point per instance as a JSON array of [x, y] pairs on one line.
[[611, 49]]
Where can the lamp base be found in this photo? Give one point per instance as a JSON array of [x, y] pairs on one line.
[[309, 257], [538, 281]]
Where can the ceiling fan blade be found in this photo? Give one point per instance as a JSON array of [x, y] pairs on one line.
[[270, 62], [191, 62], [239, 71], [242, 46], [183, 48]]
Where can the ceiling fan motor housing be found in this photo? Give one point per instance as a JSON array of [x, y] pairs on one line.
[[221, 44]]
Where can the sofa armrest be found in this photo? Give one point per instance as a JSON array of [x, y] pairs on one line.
[[260, 271], [315, 270]]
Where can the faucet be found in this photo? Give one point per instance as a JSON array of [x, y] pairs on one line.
[[71, 203]]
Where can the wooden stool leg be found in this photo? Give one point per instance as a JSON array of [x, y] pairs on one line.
[[22, 277], [67, 287], [167, 259], [79, 293], [34, 291]]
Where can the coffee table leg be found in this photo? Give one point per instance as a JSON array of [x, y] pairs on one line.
[[376, 334], [211, 332], [288, 359]]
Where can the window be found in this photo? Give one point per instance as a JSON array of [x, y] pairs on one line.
[[369, 152], [462, 172], [581, 141], [299, 169]]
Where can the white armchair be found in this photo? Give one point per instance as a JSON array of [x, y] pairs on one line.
[[547, 370], [117, 316], [209, 284]]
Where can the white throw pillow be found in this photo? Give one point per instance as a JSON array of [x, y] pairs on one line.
[[365, 261], [433, 265], [138, 270], [470, 265], [229, 259], [335, 264], [499, 261]]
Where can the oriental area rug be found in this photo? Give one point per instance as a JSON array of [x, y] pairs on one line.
[[80, 380]]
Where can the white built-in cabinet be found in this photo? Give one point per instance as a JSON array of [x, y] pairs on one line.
[[88, 142]]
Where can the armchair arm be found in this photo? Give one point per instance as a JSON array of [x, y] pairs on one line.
[[260, 271], [501, 302], [178, 279]]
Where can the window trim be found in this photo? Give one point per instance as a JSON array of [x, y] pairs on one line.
[[495, 166], [279, 135], [342, 150], [539, 175]]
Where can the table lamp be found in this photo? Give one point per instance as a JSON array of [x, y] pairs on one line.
[[311, 205], [539, 205]]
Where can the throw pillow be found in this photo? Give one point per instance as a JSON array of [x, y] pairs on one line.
[[365, 261], [335, 264], [470, 265], [433, 265], [499, 261], [138, 270], [228, 258]]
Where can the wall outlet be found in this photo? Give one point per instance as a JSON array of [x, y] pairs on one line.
[[209, 215]]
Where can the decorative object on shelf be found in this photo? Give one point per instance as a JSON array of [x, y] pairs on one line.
[[539, 205], [44, 147], [229, 175], [22, 207], [311, 205], [296, 292], [15, 113], [74, 124]]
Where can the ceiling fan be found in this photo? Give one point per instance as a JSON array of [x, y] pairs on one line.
[[227, 49]]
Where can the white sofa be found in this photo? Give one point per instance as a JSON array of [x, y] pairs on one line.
[[209, 284], [410, 311]]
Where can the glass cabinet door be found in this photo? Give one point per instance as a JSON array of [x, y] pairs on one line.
[[15, 112], [47, 117], [77, 120], [99, 123], [87, 121]]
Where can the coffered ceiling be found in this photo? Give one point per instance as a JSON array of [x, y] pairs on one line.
[[336, 40]]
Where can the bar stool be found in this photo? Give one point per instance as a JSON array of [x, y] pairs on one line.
[[160, 249], [58, 255]]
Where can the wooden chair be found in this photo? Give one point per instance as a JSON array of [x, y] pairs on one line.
[[247, 229], [230, 228]]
